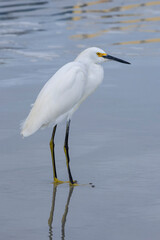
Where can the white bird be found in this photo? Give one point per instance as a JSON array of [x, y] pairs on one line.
[[62, 95]]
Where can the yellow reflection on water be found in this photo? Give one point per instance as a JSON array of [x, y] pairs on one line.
[[153, 40], [113, 9], [135, 23], [77, 18], [128, 7], [153, 19]]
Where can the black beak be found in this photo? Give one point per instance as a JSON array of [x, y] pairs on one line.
[[115, 59]]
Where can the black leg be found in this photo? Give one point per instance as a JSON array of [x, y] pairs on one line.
[[52, 153], [66, 150]]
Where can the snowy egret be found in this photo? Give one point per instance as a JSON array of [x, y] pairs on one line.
[[62, 95]]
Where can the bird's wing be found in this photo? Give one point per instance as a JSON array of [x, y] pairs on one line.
[[59, 95]]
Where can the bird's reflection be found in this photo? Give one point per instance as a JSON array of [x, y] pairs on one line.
[[64, 217]]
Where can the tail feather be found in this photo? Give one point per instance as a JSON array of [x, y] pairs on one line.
[[31, 124], [27, 129]]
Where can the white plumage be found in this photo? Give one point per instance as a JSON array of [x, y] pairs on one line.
[[63, 94]]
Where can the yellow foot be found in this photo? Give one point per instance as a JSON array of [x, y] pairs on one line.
[[57, 181], [74, 183]]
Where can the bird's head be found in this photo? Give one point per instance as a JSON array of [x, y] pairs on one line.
[[97, 55]]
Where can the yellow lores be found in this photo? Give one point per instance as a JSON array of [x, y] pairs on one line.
[[101, 54]]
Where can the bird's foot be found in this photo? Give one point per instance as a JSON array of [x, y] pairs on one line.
[[74, 183], [57, 181]]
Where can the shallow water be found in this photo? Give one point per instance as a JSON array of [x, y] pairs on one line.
[[115, 135]]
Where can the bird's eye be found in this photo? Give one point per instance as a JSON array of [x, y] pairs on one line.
[[98, 54]]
